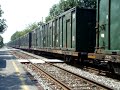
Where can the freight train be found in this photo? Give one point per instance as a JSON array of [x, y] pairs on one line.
[[79, 34]]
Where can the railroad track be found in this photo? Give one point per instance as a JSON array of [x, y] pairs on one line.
[[21, 55], [52, 83], [58, 78], [86, 68], [75, 82]]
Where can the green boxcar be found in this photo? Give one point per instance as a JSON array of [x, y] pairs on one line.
[[77, 30], [72, 30], [108, 40]]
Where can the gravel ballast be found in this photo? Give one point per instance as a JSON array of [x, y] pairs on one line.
[[111, 83]]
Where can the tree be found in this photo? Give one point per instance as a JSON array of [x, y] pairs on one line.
[[15, 35], [3, 25], [90, 3], [65, 5], [18, 34], [1, 41]]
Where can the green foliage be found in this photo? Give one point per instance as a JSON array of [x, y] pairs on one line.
[[90, 3], [47, 18], [18, 34], [15, 35], [3, 25], [55, 10], [1, 42], [40, 23], [65, 5]]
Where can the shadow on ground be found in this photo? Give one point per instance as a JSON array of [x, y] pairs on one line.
[[13, 82]]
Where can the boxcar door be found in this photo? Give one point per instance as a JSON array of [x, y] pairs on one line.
[[115, 25], [73, 30], [50, 35], [103, 24], [68, 30], [61, 32], [53, 33], [57, 33], [43, 32], [64, 33], [109, 22]]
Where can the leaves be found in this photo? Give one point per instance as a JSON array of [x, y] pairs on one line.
[[55, 10], [25, 31], [1, 41], [47, 18], [90, 3], [3, 25], [65, 5]]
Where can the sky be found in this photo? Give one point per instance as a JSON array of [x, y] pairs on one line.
[[20, 13]]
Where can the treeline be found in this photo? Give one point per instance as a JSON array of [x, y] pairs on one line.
[[1, 41], [65, 5], [55, 10], [3, 25], [23, 32]]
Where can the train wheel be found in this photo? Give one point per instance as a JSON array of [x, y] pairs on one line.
[[114, 68], [111, 68], [67, 58]]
